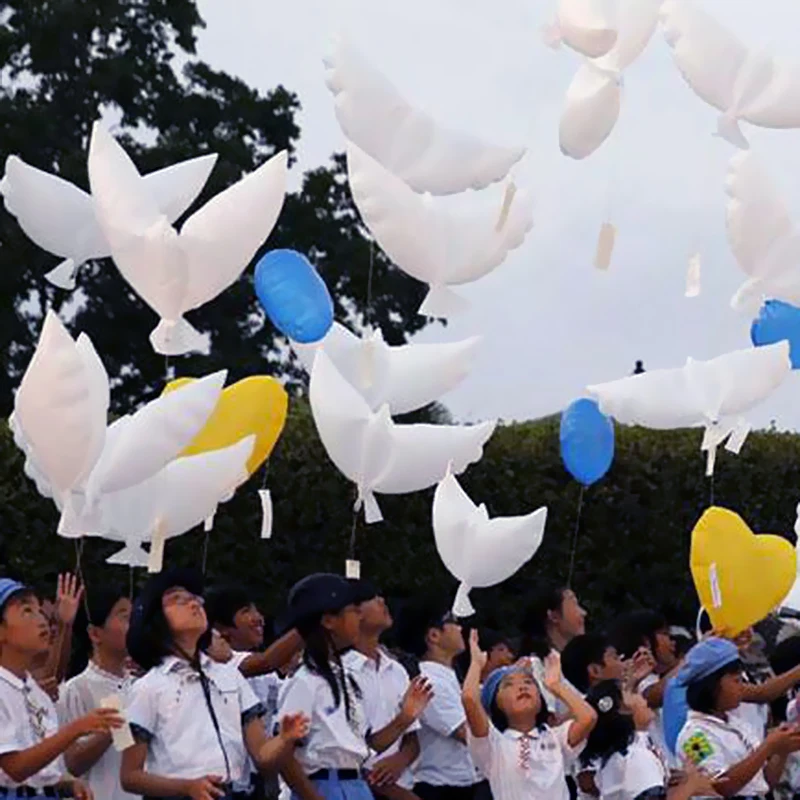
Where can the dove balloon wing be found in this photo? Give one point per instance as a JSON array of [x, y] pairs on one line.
[[176, 187]]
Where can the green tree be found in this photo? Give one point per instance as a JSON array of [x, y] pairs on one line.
[[68, 60]]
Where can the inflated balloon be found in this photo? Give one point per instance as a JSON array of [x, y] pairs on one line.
[[587, 441], [61, 218], [293, 296], [407, 141], [379, 456], [778, 321], [583, 25], [432, 245], [255, 406], [636, 22], [405, 378], [175, 273], [740, 577], [479, 551]]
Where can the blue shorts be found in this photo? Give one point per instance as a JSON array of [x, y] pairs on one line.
[[333, 788]]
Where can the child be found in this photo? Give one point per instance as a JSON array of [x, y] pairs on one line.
[[31, 742], [591, 659], [195, 721], [329, 761], [509, 737], [722, 746], [100, 632]]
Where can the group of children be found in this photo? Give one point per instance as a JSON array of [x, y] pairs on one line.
[[173, 695]]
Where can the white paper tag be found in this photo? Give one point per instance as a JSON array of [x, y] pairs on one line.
[[208, 524], [121, 738], [266, 513], [716, 592], [738, 437], [352, 569], [505, 209], [693, 276], [605, 246], [155, 561]]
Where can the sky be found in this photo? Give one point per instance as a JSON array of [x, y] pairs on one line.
[[551, 323]]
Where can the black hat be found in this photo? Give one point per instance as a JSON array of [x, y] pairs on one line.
[[142, 647], [315, 595], [364, 590]]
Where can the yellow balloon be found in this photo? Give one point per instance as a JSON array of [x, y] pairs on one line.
[[740, 576], [255, 406]]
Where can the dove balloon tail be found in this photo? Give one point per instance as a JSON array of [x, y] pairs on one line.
[[728, 128], [132, 555], [372, 511], [462, 606], [178, 337], [441, 303], [63, 276]]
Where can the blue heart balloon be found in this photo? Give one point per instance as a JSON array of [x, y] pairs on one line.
[[775, 322], [587, 441], [293, 295]]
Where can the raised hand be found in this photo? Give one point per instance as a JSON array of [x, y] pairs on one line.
[[477, 655], [552, 671], [417, 697], [294, 727], [68, 597]]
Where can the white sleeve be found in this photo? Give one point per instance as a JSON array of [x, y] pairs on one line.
[[141, 710], [249, 704], [483, 748], [296, 697], [445, 712], [561, 734], [9, 731]]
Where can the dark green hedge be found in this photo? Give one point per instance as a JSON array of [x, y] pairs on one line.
[[633, 542]]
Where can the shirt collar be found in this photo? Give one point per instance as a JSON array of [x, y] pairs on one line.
[[435, 666], [109, 676], [172, 664], [9, 677], [511, 733]]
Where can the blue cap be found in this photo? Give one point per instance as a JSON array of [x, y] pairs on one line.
[[7, 588], [492, 684]]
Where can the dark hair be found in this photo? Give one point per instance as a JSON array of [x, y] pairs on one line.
[[615, 730], [579, 654], [785, 657], [500, 720], [534, 622], [95, 610], [223, 602], [636, 629], [701, 695], [415, 621]]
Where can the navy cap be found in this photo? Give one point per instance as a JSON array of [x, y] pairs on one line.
[[315, 595]]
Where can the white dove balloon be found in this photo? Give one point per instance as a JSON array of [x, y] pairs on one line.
[[434, 246], [584, 25], [479, 551], [61, 218], [180, 496], [407, 141], [175, 273], [762, 236], [377, 455], [741, 83], [61, 406], [405, 378]]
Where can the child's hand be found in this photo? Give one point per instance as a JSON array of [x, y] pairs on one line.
[[416, 699], [68, 598], [81, 790], [101, 720], [639, 667], [219, 650], [294, 727], [784, 740], [698, 783], [476, 654], [207, 788], [552, 671], [387, 771]]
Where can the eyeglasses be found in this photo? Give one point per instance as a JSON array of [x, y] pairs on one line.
[[182, 599]]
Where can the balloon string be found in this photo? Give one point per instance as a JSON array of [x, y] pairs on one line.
[[205, 550], [79, 573], [351, 550], [130, 583], [575, 538], [711, 489], [368, 312]]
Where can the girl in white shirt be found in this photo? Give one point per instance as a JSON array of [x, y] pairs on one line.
[[522, 757]]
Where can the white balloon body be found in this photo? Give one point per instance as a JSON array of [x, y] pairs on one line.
[[432, 245], [586, 26], [377, 455], [405, 140], [62, 219], [479, 551], [175, 273], [405, 378]]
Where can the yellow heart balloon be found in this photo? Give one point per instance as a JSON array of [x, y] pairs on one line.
[[255, 406], [740, 576]]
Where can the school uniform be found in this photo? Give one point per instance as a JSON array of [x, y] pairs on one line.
[[27, 716], [637, 774], [526, 766], [168, 708], [445, 767], [81, 695], [656, 729], [334, 752], [715, 745], [383, 683]]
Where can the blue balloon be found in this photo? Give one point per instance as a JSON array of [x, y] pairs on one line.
[[674, 713], [294, 296], [775, 322], [587, 441]]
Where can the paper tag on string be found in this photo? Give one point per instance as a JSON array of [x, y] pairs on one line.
[[605, 246], [208, 524], [352, 569], [155, 561], [121, 738], [505, 209], [266, 513], [693, 276], [738, 437], [716, 592]]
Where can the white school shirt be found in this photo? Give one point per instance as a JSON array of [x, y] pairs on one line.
[[656, 729], [714, 746], [443, 760], [77, 698], [383, 685], [625, 777], [526, 766], [167, 708], [27, 715], [333, 741]]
